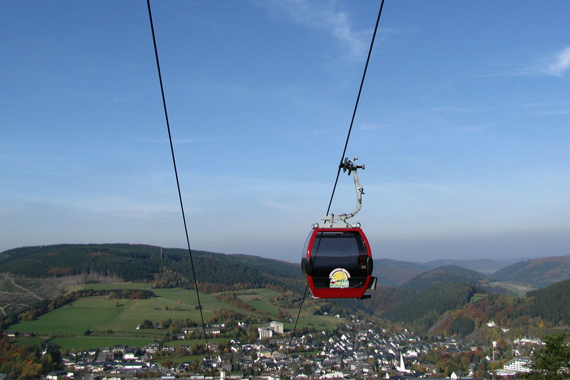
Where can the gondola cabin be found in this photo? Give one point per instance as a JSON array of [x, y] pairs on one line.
[[338, 263]]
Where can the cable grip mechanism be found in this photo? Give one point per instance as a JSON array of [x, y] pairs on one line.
[[348, 166]]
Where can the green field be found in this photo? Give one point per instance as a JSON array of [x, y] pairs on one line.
[[99, 314], [74, 319], [35, 341], [116, 286], [110, 324], [516, 289], [259, 299]]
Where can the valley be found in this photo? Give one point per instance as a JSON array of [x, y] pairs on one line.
[[111, 302]]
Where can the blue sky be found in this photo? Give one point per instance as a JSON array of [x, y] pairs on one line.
[[463, 124]]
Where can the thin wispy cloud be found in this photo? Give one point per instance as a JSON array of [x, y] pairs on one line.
[[561, 112], [60, 173], [324, 17], [273, 204], [127, 208], [321, 132], [546, 108], [560, 64], [478, 127], [368, 127], [552, 64], [468, 128], [451, 109], [420, 187]]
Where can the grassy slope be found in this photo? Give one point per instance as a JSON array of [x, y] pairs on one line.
[[109, 261], [115, 286], [100, 315], [76, 318]]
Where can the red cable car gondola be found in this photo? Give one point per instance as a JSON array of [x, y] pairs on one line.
[[337, 261]]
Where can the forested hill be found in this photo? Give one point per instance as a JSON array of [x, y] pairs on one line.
[[547, 308], [131, 262], [537, 273], [551, 303], [427, 301], [461, 308], [486, 266], [445, 274], [426, 307], [395, 273]]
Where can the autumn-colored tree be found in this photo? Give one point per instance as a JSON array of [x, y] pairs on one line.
[[26, 362]]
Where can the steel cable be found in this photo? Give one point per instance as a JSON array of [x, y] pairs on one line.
[[346, 143], [178, 184]]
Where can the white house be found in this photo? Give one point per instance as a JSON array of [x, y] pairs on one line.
[[264, 332], [518, 365], [277, 327]]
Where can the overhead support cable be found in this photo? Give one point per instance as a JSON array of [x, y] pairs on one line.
[[346, 143], [178, 183], [355, 106]]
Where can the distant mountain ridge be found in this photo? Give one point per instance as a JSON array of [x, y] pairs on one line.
[[536, 272], [138, 262], [533, 273], [444, 299], [443, 275], [395, 273], [486, 266]]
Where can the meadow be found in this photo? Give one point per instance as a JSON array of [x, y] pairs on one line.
[[259, 299], [94, 322], [110, 286]]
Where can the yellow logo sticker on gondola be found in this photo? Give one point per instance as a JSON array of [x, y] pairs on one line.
[[339, 278]]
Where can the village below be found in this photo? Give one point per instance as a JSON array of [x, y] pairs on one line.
[[135, 314], [356, 349]]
